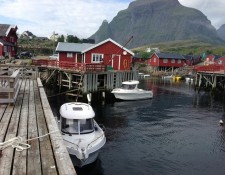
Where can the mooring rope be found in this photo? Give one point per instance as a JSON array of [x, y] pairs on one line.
[[19, 144]]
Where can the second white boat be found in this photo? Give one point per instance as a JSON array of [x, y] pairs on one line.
[[130, 91]]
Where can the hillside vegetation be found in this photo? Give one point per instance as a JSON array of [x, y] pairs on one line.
[[185, 47]]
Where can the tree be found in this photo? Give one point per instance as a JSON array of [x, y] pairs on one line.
[[72, 39], [145, 55], [61, 39]]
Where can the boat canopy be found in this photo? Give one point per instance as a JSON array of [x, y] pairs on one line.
[[77, 110]]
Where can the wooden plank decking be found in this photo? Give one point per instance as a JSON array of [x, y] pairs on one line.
[[31, 117]]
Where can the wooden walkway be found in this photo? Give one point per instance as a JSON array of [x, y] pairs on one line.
[[31, 117]]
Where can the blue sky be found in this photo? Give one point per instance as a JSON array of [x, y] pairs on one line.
[[82, 17]]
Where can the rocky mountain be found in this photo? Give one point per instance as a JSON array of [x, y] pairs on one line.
[[153, 21], [221, 32]]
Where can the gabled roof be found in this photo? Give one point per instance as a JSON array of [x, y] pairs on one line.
[[189, 57], [216, 57], [72, 47], [109, 39], [5, 29], [169, 55]]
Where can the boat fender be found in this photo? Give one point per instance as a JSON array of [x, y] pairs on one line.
[[221, 122]]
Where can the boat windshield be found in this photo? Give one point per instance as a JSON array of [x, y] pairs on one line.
[[75, 126], [126, 86]]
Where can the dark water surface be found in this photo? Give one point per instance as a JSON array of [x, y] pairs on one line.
[[176, 132]]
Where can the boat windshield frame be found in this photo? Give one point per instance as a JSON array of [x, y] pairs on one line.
[[128, 86], [77, 126]]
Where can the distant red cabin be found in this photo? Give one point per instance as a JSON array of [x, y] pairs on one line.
[[165, 61], [8, 40], [211, 59], [107, 52], [220, 61]]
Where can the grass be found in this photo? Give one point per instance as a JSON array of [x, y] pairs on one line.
[[185, 47]]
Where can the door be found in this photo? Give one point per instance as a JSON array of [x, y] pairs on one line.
[[116, 62]]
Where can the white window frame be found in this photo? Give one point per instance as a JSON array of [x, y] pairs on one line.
[[69, 55], [97, 57], [179, 61], [173, 61], [220, 62], [165, 60], [154, 60]]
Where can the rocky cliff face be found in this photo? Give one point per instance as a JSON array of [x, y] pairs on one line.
[[221, 32], [153, 21]]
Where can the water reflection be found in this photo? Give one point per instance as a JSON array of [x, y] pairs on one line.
[[94, 168]]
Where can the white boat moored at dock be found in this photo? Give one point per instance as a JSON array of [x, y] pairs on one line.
[[82, 135]]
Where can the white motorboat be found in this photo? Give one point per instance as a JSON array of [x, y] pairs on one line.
[[167, 77], [130, 91], [189, 79], [82, 135]]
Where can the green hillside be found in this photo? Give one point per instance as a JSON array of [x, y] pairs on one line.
[[185, 47]]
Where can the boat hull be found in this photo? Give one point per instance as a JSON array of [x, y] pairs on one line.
[[133, 95], [80, 163]]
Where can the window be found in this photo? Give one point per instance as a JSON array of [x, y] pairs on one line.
[[69, 55], [75, 126], [97, 58], [154, 60], [173, 61], [179, 61], [165, 60], [220, 62], [86, 126], [70, 126]]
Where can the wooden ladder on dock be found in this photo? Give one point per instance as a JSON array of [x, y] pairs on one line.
[[80, 86]]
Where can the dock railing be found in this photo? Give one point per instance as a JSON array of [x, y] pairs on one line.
[[69, 65], [9, 87], [210, 68]]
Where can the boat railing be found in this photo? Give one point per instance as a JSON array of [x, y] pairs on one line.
[[73, 144], [102, 135]]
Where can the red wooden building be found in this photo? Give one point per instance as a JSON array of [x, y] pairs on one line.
[[166, 61], [107, 52], [220, 61], [211, 59], [8, 40]]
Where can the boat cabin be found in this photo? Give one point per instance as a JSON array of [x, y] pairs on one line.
[[77, 118], [129, 85]]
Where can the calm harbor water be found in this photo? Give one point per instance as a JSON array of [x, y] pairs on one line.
[[176, 132]]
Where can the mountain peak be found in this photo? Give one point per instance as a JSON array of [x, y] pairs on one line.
[[154, 21], [137, 3]]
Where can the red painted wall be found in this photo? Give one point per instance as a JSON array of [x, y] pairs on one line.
[[109, 49], [63, 57], [11, 38], [210, 57], [159, 62], [153, 61], [220, 61], [1, 50]]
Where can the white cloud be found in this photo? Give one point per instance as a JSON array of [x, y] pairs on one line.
[[82, 18], [77, 17]]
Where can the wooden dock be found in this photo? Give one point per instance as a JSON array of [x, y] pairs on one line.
[[31, 118]]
